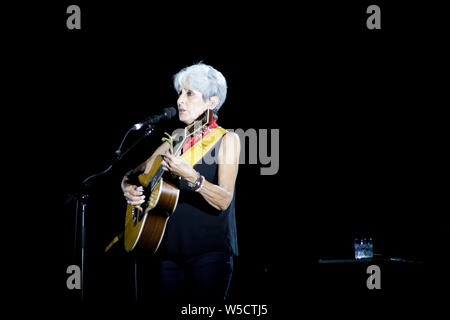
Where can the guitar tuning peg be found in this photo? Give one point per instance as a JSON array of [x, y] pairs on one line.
[[169, 139]]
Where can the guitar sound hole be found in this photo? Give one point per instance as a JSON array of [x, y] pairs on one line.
[[141, 213], [134, 216]]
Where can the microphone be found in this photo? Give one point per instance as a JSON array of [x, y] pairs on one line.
[[166, 114]]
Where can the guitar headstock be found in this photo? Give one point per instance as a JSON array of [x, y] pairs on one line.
[[193, 129], [200, 123]]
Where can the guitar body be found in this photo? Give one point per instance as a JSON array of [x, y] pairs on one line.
[[145, 229]]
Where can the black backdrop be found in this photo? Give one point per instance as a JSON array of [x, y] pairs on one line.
[[360, 116]]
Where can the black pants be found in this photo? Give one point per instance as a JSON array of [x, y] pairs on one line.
[[202, 278]]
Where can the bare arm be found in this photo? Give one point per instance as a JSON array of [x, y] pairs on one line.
[[133, 193], [220, 196]]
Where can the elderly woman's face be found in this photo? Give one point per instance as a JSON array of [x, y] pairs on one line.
[[190, 104]]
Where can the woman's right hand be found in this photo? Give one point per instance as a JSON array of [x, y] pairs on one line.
[[134, 195]]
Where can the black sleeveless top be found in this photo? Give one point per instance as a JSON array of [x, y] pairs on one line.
[[195, 226]]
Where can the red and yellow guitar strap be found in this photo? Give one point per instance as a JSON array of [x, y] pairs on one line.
[[195, 153]]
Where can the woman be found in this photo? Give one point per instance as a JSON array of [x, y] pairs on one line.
[[200, 238]]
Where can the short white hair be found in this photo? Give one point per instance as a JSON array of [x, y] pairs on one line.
[[205, 79]]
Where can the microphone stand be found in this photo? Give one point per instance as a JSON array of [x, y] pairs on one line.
[[83, 196]]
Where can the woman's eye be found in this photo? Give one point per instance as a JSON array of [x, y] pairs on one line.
[[189, 93]]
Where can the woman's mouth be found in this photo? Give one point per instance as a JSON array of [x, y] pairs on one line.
[[181, 110]]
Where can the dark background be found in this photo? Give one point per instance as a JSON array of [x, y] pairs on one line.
[[362, 139]]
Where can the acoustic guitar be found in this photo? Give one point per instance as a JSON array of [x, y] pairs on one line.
[[145, 229]]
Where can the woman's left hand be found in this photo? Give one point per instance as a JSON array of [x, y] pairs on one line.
[[178, 166]]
